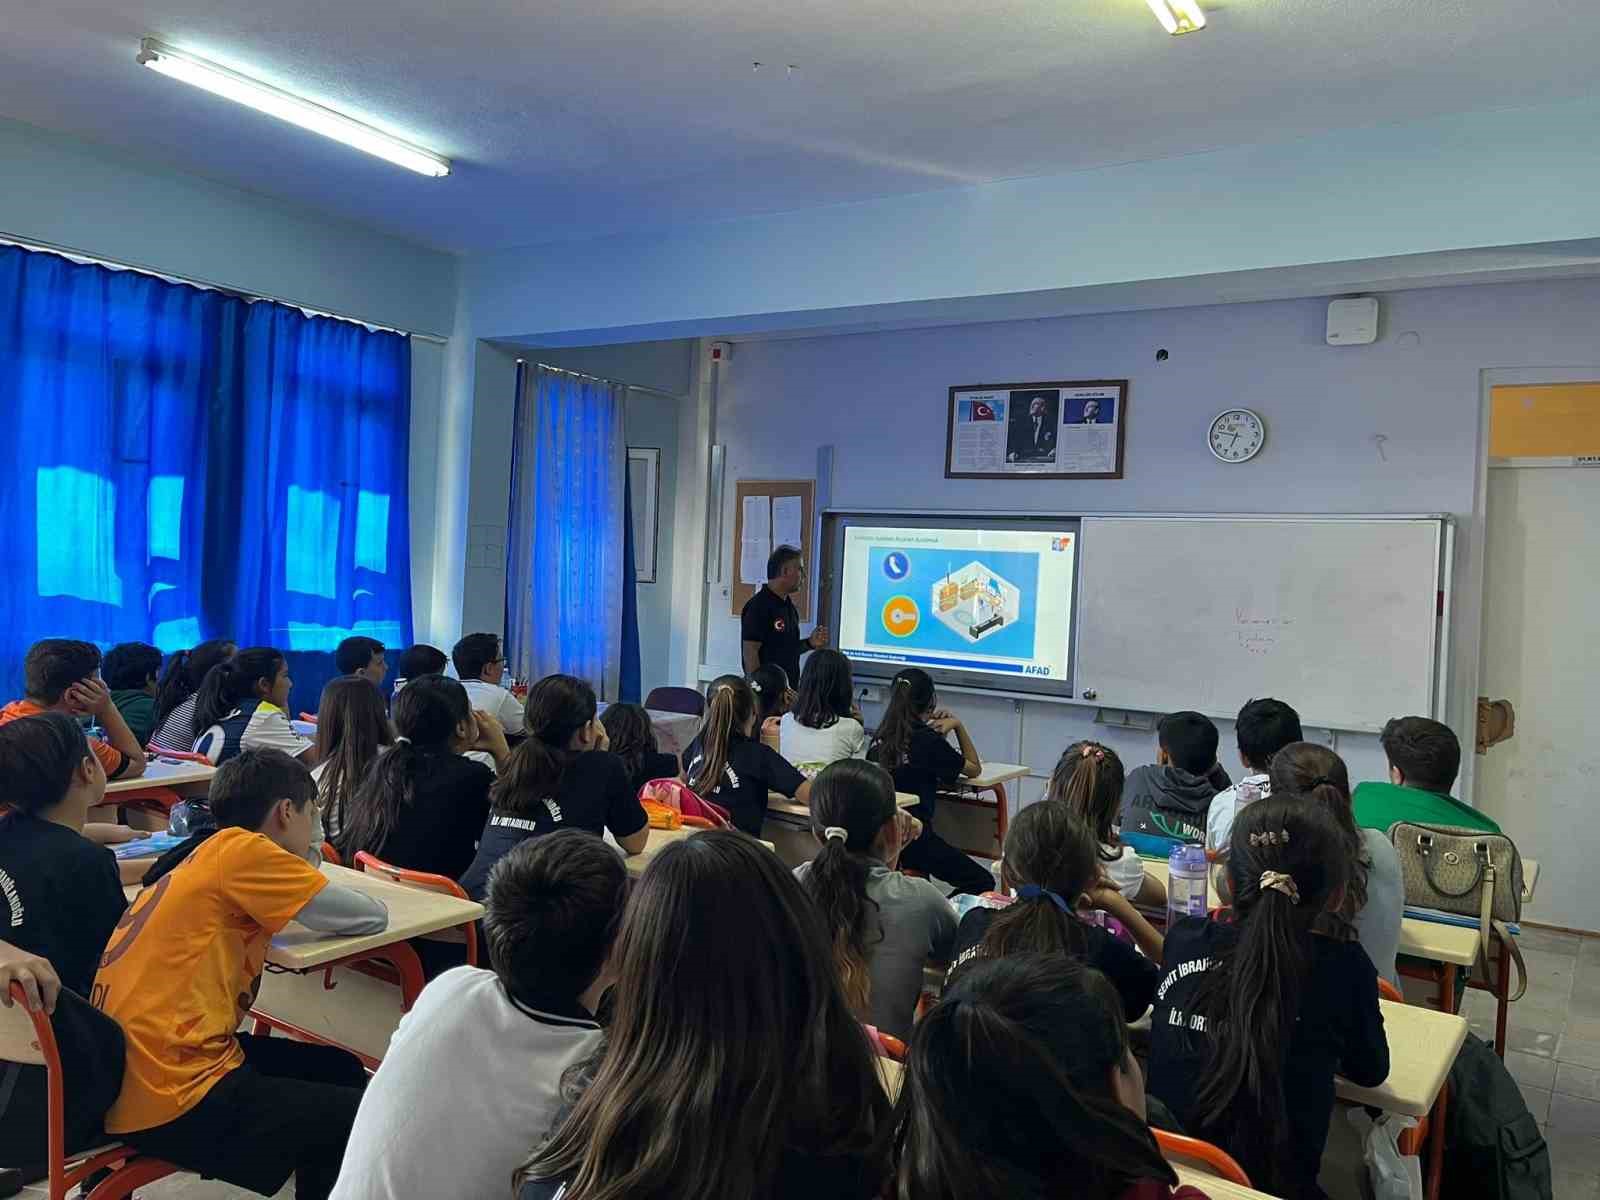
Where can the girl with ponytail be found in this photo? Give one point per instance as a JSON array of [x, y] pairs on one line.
[[1374, 901], [774, 697], [562, 776], [422, 803], [1089, 778], [913, 745], [727, 763], [1255, 1015], [1052, 866], [1040, 1039], [243, 705], [884, 925], [179, 689]]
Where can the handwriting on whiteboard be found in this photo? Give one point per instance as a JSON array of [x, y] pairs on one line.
[[1257, 633]]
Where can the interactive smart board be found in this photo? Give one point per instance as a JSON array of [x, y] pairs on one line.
[[989, 602]]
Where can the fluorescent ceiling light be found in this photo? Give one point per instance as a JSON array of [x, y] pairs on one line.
[[1178, 16], [263, 97]]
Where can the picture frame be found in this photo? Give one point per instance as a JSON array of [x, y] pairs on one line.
[[644, 488], [1052, 429]]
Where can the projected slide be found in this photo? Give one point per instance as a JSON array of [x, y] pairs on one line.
[[987, 600]]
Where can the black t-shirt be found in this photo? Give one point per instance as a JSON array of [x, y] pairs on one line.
[[753, 770], [60, 896], [654, 766], [1339, 1029], [594, 794], [439, 831], [773, 621], [1131, 973], [931, 763]]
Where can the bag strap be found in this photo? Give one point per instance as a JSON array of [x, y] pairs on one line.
[[1425, 852], [1485, 906], [1511, 948]]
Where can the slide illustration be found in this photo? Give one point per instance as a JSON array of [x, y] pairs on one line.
[[975, 601]]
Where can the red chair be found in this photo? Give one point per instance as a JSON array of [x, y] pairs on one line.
[[27, 1038], [330, 855], [310, 718], [423, 881], [1413, 1139], [181, 755], [1213, 1158], [1388, 991], [887, 1045]]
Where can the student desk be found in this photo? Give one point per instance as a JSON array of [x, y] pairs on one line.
[[658, 841], [788, 824], [164, 782], [988, 790]]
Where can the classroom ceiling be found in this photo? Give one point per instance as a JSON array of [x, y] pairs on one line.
[[580, 117]]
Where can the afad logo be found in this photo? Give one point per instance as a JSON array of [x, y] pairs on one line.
[[896, 565], [901, 616], [1061, 543]]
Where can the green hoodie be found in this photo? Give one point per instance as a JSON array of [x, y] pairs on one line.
[[1380, 805], [138, 709]]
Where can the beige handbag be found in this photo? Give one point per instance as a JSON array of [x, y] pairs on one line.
[[1468, 872]]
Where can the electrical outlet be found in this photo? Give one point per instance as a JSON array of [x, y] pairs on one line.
[[870, 695]]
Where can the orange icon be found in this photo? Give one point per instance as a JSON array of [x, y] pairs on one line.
[[901, 616]]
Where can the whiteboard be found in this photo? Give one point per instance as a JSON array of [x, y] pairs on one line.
[[1339, 617]]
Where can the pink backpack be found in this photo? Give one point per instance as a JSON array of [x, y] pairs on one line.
[[671, 793]]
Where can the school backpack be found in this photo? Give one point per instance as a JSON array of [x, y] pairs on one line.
[[672, 794], [1493, 1147]]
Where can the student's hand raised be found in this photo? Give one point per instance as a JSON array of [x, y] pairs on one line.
[[89, 697], [38, 979]]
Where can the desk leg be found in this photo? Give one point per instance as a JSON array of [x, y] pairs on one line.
[[1000, 815], [1447, 988], [1436, 1121]]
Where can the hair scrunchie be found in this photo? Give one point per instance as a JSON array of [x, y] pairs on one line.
[[834, 831], [402, 741], [1280, 881]]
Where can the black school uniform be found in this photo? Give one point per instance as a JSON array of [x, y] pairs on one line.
[[753, 769], [1131, 973], [654, 766], [933, 763], [60, 896], [774, 621], [438, 832], [595, 794], [1339, 1030]]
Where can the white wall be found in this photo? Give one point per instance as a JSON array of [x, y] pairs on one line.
[[77, 196], [881, 400], [652, 420]]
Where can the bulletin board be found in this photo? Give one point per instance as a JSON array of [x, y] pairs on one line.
[[770, 506]]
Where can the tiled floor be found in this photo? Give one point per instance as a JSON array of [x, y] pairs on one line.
[[1553, 1051]]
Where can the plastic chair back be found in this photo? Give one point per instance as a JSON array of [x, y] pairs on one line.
[[887, 1045], [1388, 991], [1213, 1158], [330, 855], [29, 1039], [423, 881], [676, 700]]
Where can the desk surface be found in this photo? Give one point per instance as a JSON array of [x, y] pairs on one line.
[[1530, 878], [658, 841], [1422, 1046], [777, 802], [1419, 939], [163, 774], [996, 773], [412, 912]]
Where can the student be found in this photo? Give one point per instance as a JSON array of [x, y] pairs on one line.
[[727, 765], [1263, 727], [824, 725], [179, 691], [912, 744], [479, 1063], [130, 671], [1375, 899], [422, 803], [769, 623], [61, 675], [885, 926], [363, 657], [182, 969], [64, 892], [1088, 779], [561, 777], [1255, 1016], [1172, 797], [418, 661], [1424, 757], [1045, 1033], [352, 730], [632, 739], [1052, 863], [243, 705], [481, 666], [748, 1076], [774, 697]]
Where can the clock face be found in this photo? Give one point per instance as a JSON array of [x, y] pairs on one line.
[[1237, 435]]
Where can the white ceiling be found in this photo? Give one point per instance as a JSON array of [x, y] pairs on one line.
[[576, 117]]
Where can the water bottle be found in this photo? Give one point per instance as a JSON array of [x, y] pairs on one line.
[[1186, 883]]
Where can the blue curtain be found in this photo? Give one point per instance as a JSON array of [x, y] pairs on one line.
[[568, 583], [191, 465]]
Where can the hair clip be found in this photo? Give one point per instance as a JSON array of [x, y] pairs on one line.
[[1280, 881]]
